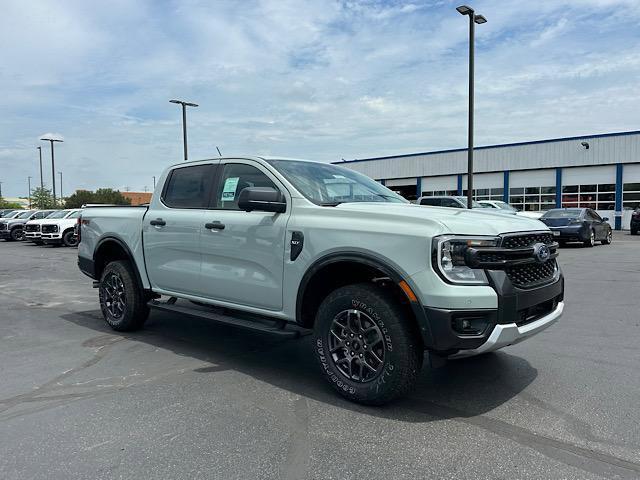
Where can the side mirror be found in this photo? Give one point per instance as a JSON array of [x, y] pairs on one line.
[[263, 199], [605, 219]]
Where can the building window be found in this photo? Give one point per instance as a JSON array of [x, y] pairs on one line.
[[631, 196], [533, 199], [439, 193], [486, 193], [598, 197]]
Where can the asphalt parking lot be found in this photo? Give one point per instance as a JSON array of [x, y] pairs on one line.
[[185, 398]]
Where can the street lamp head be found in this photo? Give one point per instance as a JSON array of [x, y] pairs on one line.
[[479, 19], [51, 140], [464, 10], [186, 104]]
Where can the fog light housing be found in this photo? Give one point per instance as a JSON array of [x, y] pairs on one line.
[[470, 325]]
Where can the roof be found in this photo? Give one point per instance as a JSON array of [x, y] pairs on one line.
[[502, 145]]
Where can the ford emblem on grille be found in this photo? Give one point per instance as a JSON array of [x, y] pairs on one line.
[[541, 252]]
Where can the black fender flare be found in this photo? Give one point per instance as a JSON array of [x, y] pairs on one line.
[[122, 244], [369, 260]]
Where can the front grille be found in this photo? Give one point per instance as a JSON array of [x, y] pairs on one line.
[[32, 228], [526, 240], [3, 226], [49, 228], [529, 275]]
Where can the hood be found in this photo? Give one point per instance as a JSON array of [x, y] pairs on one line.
[[451, 220]]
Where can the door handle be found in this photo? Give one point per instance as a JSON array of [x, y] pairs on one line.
[[214, 225], [158, 222]]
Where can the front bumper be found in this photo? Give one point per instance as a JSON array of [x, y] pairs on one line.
[[511, 333], [520, 313], [5, 233], [32, 235], [51, 238]]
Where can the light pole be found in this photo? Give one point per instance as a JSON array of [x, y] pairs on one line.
[[184, 121], [0, 189], [473, 19], [61, 197], [41, 180], [53, 166], [29, 181], [154, 182]]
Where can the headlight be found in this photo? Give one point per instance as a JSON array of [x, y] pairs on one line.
[[449, 258]]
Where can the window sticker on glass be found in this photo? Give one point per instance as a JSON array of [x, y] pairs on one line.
[[229, 189]]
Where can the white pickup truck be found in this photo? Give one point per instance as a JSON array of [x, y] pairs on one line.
[[290, 246]]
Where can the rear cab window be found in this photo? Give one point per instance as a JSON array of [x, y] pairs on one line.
[[188, 187]]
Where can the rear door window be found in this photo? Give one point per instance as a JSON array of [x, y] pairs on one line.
[[434, 202], [188, 187]]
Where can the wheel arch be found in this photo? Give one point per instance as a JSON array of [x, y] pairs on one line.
[[338, 269], [112, 248]]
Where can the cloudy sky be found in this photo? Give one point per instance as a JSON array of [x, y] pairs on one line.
[[317, 79]]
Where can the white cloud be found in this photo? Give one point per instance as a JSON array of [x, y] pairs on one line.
[[319, 79]]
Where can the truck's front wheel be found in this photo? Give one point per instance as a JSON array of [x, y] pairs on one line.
[[122, 301], [365, 344]]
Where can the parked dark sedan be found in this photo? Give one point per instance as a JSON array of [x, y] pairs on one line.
[[578, 225], [635, 222]]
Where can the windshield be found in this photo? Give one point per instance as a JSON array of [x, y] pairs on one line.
[[326, 184], [505, 206], [567, 213], [13, 214], [59, 214], [26, 214], [474, 204]]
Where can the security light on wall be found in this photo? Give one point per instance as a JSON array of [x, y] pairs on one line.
[[585, 145]]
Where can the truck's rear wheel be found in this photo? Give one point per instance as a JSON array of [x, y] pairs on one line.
[[69, 239], [122, 301], [366, 347]]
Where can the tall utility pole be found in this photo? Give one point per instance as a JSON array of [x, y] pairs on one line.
[[53, 166], [154, 182], [473, 19], [61, 197], [0, 189], [41, 180], [184, 121], [29, 181]]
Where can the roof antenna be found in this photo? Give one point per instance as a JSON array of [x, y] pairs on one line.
[[219, 154]]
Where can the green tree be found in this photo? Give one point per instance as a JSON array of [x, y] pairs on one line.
[[108, 195], [41, 198], [102, 195], [79, 198]]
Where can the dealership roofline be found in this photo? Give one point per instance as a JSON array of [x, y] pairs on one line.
[[517, 144]]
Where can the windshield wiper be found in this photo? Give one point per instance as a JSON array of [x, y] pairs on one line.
[[330, 204]]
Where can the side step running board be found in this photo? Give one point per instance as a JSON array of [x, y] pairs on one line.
[[275, 327]]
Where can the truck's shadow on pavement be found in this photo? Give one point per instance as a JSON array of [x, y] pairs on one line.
[[460, 389]]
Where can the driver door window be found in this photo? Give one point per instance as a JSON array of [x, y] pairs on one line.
[[236, 177]]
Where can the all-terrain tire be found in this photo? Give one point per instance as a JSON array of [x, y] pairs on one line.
[[69, 239], [122, 300], [371, 373], [634, 232]]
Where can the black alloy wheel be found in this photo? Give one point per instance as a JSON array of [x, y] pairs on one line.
[[356, 345], [69, 239], [17, 234], [122, 300], [113, 299], [608, 239]]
